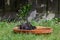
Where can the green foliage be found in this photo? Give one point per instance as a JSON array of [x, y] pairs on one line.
[[23, 12], [6, 31]]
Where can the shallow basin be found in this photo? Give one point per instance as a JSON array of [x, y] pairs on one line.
[[38, 30]]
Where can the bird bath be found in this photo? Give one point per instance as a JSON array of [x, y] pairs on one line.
[[33, 29]]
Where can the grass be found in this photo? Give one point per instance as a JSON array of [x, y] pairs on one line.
[[6, 32]]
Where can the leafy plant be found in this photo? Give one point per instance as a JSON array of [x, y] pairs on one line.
[[23, 12]]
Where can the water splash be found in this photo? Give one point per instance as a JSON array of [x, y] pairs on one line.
[[32, 15]]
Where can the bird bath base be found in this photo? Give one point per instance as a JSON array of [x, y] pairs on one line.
[[38, 30]]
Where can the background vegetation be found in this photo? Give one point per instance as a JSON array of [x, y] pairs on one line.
[[24, 11]]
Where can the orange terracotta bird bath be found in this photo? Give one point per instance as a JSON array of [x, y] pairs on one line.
[[38, 30]]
